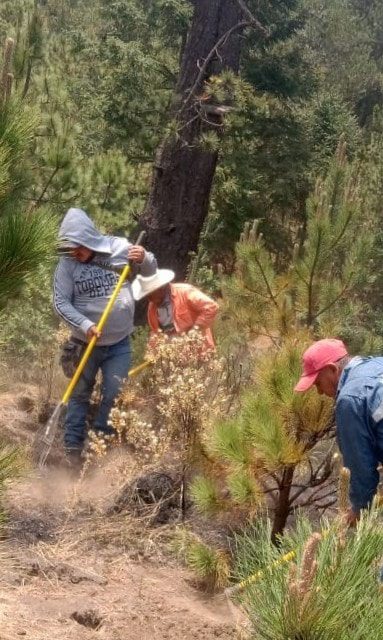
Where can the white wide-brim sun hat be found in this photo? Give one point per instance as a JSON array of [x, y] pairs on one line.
[[142, 286]]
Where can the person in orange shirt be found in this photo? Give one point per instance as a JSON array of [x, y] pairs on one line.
[[175, 307]]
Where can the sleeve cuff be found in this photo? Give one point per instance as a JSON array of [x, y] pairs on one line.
[[86, 325], [145, 260]]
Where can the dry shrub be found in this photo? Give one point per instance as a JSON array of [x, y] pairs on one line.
[[172, 405], [158, 421]]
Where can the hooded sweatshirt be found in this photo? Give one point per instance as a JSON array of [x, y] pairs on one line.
[[81, 291]]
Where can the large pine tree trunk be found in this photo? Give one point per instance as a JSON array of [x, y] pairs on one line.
[[183, 172]]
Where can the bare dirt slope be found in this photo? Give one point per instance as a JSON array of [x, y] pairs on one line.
[[70, 570], [138, 601]]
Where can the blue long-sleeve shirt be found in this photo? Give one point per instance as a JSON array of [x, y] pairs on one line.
[[359, 420]]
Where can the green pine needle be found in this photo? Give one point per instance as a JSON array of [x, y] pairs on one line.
[[25, 242], [244, 489], [226, 442], [332, 601], [209, 564], [204, 494]]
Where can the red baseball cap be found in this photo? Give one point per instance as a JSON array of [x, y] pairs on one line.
[[316, 357]]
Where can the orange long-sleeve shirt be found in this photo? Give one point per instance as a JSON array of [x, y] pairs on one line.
[[191, 308]]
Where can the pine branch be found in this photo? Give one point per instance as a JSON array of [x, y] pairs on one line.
[[314, 499], [268, 287], [298, 492], [342, 232], [140, 159], [311, 279], [45, 189], [106, 195], [209, 57], [301, 277], [62, 201], [334, 301], [327, 505], [28, 77], [252, 292], [252, 19], [313, 482]]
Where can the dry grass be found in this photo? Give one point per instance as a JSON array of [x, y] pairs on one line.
[[114, 556], [81, 514]]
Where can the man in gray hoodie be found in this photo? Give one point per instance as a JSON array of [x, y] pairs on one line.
[[85, 278]]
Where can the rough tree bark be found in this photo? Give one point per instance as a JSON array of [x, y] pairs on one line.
[[282, 508], [183, 172]]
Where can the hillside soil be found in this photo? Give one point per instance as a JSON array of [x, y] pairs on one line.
[[71, 568]]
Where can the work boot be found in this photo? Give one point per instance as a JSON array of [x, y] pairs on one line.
[[74, 461]]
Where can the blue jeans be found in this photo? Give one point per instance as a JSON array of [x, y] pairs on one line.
[[114, 362]]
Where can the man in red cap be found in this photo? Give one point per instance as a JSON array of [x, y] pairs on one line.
[[357, 386]]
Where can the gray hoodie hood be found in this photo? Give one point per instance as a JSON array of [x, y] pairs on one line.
[[78, 229], [82, 290]]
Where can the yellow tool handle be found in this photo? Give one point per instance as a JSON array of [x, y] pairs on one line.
[[287, 557], [240, 586], [100, 326], [140, 367]]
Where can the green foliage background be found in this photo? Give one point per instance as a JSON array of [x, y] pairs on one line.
[[302, 154], [97, 81]]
